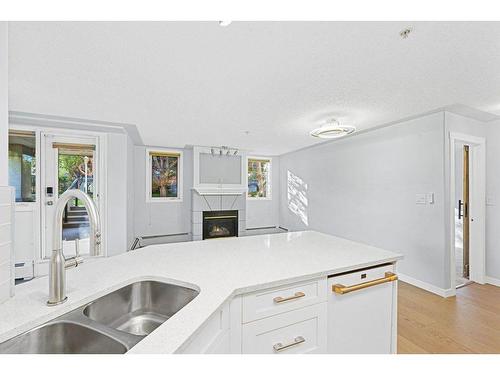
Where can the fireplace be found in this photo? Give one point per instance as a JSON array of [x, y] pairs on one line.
[[217, 224]]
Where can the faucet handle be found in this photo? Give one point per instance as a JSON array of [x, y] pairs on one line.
[[73, 262], [77, 259], [77, 247]]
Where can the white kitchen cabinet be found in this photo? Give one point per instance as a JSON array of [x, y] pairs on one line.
[[213, 337], [363, 319], [275, 301], [295, 332], [307, 317]]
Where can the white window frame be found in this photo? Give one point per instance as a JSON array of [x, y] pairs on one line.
[[269, 195], [180, 175]]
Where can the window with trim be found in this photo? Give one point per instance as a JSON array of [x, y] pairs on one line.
[[259, 178], [164, 175]]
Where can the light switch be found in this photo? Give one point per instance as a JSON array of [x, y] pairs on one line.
[[490, 201], [420, 199], [430, 198]]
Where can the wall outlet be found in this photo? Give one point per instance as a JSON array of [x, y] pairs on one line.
[[420, 199]]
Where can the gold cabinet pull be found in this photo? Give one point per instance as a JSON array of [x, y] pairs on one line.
[[342, 289], [296, 341], [284, 299]]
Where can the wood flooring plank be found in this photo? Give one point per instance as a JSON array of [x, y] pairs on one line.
[[467, 323]]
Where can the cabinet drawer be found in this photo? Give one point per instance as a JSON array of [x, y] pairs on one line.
[[299, 331], [270, 302]]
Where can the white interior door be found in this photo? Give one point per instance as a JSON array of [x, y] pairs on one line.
[[69, 163]]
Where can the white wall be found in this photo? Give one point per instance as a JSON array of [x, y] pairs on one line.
[[265, 212], [6, 242], [160, 218], [5, 192], [130, 192], [493, 200], [4, 105], [117, 193], [364, 187]]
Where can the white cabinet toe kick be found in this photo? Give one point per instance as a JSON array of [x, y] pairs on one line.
[[352, 312]]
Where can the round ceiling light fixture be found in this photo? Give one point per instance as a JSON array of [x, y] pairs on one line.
[[332, 129], [224, 23]]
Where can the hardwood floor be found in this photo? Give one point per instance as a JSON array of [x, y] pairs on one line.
[[467, 323]]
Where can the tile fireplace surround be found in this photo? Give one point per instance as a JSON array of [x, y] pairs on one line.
[[224, 202]]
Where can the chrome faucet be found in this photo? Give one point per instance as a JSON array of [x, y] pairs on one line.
[[59, 264]]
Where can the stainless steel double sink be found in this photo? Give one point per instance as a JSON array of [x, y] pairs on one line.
[[111, 324]]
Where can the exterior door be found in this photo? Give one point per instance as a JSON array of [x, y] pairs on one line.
[[23, 165], [70, 163]]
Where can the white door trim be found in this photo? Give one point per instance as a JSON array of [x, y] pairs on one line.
[[477, 212]]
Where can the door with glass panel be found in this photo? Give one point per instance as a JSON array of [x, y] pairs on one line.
[[23, 154], [70, 163]]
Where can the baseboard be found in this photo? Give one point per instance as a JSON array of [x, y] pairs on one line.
[[426, 286], [492, 281]]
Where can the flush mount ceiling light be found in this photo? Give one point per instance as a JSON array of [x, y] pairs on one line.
[[332, 129], [224, 23]]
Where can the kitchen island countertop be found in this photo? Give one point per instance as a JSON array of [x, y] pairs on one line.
[[219, 269]]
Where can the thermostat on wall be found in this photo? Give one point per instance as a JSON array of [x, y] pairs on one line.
[[420, 199], [430, 198]]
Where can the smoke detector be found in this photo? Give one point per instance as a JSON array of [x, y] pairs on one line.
[[405, 32], [332, 129]]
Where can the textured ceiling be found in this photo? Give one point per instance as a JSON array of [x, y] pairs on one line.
[[185, 83]]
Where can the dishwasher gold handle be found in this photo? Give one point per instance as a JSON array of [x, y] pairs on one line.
[[342, 289], [284, 299]]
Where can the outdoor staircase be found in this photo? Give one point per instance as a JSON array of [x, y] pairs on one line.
[[77, 217]]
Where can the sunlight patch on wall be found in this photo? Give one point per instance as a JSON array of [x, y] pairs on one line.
[[297, 197]]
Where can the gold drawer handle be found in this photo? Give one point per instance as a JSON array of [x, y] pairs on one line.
[[284, 299], [342, 289], [296, 341]]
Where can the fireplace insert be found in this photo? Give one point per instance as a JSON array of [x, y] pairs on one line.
[[217, 224]]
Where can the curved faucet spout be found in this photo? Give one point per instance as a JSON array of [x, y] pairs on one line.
[[58, 263], [95, 222]]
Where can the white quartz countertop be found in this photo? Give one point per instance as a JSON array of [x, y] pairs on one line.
[[219, 269]]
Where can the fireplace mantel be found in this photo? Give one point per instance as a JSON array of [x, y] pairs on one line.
[[220, 191]]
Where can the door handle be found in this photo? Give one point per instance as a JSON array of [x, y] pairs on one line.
[[342, 289], [460, 204], [50, 203]]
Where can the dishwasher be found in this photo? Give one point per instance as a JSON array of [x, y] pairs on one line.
[[362, 311]]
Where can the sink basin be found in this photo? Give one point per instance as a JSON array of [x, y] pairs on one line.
[[111, 324], [62, 338], [139, 308]]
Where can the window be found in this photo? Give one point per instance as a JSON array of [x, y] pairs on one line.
[[22, 164], [164, 175], [259, 178]]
